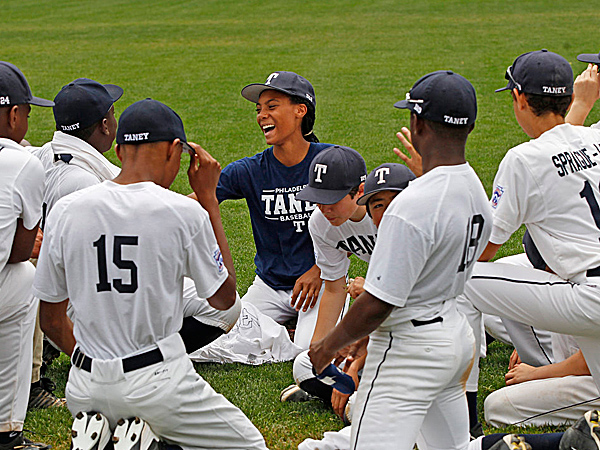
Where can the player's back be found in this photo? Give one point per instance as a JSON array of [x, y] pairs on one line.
[[125, 250], [445, 222], [557, 177]]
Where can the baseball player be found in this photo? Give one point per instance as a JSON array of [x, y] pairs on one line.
[[21, 186], [420, 346], [287, 282], [586, 90], [86, 129], [128, 357], [341, 169], [338, 228], [550, 184]]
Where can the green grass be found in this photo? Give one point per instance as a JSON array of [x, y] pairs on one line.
[[361, 56]]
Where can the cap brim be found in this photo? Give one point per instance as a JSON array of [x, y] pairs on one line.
[[114, 91], [362, 200], [37, 101], [252, 91], [188, 148], [321, 196], [592, 58], [403, 104]]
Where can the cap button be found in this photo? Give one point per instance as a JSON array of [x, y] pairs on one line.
[[449, 72], [544, 50]]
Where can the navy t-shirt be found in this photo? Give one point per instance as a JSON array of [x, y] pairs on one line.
[[284, 248]]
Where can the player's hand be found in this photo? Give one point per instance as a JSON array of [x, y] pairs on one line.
[[203, 173], [356, 286], [320, 356], [306, 289], [413, 160], [586, 88], [520, 373], [352, 352], [39, 237], [339, 400], [514, 360]]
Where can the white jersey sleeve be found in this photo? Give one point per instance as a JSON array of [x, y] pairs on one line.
[[27, 196], [516, 198], [51, 270], [394, 270], [204, 260]]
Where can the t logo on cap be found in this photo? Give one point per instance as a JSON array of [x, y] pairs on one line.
[[273, 75], [381, 173], [320, 169]]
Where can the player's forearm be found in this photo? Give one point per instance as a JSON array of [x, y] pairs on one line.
[[574, 365], [55, 324], [23, 243], [330, 307], [578, 112]]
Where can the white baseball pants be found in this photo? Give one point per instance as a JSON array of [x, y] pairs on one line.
[[180, 407], [551, 401], [543, 300], [18, 309], [414, 380], [276, 305]]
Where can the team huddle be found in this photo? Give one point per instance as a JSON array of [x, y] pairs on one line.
[[131, 277]]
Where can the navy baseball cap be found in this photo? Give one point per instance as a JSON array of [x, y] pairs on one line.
[[148, 121], [83, 102], [287, 82], [333, 173], [592, 58], [442, 96], [14, 89], [386, 177], [540, 72]]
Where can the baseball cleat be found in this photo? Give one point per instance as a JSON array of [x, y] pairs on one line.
[[134, 434], [20, 442], [90, 431], [584, 434], [294, 393], [511, 442]]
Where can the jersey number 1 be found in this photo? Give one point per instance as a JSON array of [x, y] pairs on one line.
[[104, 285]]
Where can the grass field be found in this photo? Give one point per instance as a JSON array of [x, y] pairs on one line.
[[361, 56]]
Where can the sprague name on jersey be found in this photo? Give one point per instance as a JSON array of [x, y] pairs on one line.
[[281, 205], [576, 161]]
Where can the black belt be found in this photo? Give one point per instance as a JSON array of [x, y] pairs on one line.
[[419, 323], [595, 272], [129, 364]]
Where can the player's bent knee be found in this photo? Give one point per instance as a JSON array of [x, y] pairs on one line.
[[302, 367]]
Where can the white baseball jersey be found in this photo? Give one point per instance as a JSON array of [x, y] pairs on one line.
[[21, 184], [551, 184], [428, 239], [86, 167], [333, 245], [119, 253]]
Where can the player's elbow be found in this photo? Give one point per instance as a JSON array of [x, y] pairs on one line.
[[225, 297], [50, 319]]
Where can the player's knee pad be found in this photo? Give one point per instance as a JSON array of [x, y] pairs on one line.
[[302, 367]]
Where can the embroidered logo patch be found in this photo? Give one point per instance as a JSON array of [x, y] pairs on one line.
[[497, 195], [218, 257]]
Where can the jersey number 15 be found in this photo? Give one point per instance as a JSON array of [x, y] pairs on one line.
[[104, 285]]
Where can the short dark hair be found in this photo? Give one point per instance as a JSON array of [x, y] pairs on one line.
[[451, 132], [353, 191], [545, 104], [308, 121], [82, 133]]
